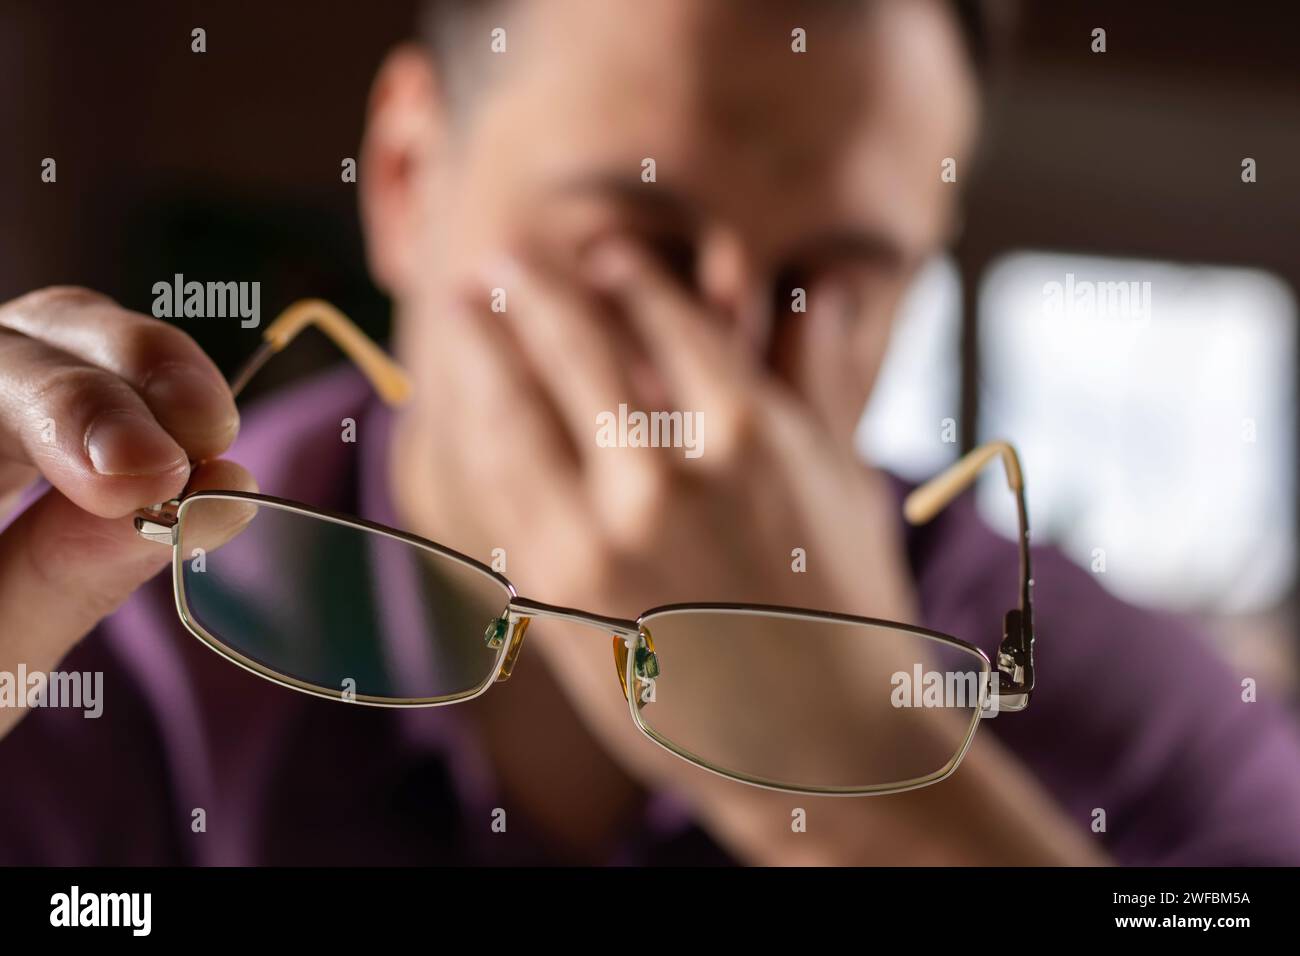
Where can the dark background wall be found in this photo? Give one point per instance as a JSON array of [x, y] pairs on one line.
[[1138, 151], [228, 162], [221, 165]]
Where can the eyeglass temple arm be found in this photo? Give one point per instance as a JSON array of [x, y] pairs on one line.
[[1015, 659], [385, 375]]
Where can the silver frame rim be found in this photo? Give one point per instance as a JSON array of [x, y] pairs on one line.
[[306, 687], [800, 614], [521, 607]]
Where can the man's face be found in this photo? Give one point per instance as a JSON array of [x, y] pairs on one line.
[[773, 170]]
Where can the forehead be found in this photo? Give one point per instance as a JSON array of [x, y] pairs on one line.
[[714, 93]]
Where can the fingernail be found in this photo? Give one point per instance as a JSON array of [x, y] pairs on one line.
[[127, 443]]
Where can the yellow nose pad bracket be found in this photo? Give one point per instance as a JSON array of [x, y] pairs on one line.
[[647, 661], [504, 630]]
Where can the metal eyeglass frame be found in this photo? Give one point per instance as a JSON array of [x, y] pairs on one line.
[[633, 645]]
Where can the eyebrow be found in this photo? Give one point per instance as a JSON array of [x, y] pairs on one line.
[[855, 244], [662, 199], [844, 243]]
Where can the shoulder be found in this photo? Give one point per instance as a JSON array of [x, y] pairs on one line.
[[1135, 713]]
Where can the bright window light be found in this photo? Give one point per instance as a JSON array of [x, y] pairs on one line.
[[1155, 407]]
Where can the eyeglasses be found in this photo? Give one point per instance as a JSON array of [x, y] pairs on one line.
[[343, 608]]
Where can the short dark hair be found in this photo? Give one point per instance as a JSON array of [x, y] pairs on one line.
[[983, 25]]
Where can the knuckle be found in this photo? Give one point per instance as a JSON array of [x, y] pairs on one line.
[[73, 390], [636, 509], [146, 343], [94, 562], [58, 298], [54, 559]]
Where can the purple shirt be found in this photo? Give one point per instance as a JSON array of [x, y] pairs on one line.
[[1133, 715]]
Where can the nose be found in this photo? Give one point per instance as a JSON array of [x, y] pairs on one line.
[[735, 286]]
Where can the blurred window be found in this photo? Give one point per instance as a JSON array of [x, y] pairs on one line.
[[1155, 406]]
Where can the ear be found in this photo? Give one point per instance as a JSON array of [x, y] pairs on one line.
[[405, 130]]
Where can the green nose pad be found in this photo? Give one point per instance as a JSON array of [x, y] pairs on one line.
[[647, 663], [495, 635], [646, 667], [501, 630]]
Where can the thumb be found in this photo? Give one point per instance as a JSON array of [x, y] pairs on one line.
[[63, 569]]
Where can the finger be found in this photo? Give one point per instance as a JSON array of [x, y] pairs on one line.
[[709, 376], [177, 381], [572, 352], [506, 416], [567, 344], [62, 571], [86, 430], [219, 520], [701, 368]]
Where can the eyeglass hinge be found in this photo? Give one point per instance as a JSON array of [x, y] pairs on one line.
[[157, 523], [1015, 662]]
